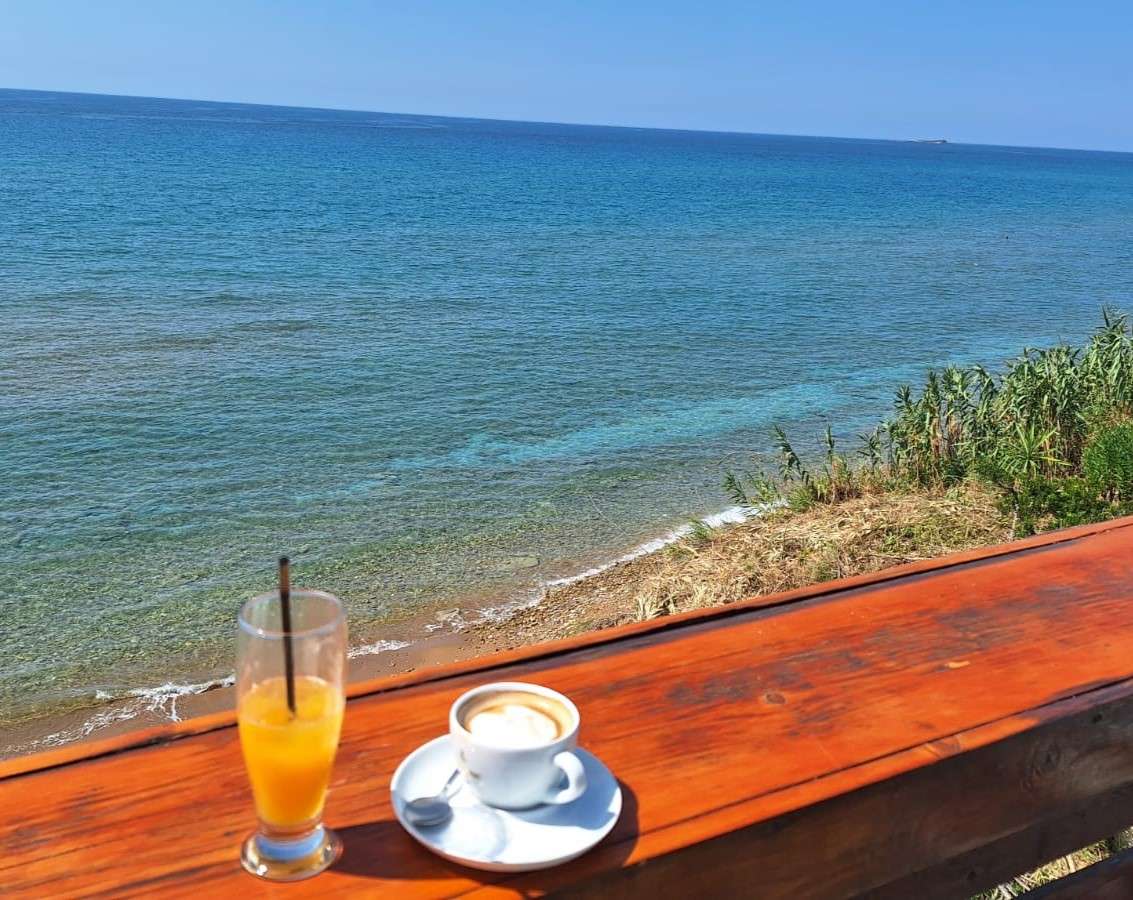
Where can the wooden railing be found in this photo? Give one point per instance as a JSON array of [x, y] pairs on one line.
[[927, 731]]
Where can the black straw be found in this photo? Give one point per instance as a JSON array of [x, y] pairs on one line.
[[285, 610]]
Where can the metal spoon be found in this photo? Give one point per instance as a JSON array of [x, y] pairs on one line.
[[426, 811]]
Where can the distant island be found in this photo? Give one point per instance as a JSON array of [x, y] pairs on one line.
[[929, 141]]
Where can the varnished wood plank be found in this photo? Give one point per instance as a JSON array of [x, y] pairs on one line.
[[918, 835], [1001, 860], [717, 725]]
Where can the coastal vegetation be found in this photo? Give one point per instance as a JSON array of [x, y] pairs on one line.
[[1051, 435], [971, 457]]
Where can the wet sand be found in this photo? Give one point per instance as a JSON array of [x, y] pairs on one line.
[[446, 639], [484, 623], [776, 551], [131, 714]]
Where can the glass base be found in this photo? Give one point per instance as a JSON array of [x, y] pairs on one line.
[[290, 858]]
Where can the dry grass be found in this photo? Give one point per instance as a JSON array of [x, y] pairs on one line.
[[787, 549], [781, 550]]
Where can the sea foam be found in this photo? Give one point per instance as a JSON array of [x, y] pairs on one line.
[[376, 647], [162, 700], [457, 622], [733, 515]]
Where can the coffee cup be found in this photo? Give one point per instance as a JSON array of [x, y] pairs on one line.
[[515, 745]]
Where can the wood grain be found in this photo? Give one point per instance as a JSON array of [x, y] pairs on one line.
[[826, 742]]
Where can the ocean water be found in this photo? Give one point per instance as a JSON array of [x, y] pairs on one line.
[[435, 359]]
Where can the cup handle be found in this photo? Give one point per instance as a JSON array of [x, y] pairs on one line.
[[571, 766]]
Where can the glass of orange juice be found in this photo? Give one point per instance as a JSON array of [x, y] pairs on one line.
[[289, 735]]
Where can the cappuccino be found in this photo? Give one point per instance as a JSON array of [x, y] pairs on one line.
[[515, 744], [515, 719]]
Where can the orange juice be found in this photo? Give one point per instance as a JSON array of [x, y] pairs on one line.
[[289, 757]]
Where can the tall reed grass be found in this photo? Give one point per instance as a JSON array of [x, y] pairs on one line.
[[1053, 431]]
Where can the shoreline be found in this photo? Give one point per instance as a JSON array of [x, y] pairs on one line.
[[772, 549], [475, 627]]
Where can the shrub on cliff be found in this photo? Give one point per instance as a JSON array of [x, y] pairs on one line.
[[1107, 462], [1053, 432]]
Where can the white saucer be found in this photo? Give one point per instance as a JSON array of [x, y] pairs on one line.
[[504, 840]]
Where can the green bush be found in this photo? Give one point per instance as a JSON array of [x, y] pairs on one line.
[[1052, 432], [1041, 504], [1107, 462]]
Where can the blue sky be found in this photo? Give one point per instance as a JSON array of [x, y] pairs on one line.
[[1035, 73]]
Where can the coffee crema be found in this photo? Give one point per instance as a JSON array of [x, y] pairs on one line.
[[515, 719]]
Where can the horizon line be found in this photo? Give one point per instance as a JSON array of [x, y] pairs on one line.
[[554, 122]]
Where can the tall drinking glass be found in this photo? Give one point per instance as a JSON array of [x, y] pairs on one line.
[[289, 754]]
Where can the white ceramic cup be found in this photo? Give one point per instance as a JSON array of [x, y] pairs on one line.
[[519, 777]]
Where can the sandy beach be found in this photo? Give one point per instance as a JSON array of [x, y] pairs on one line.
[[484, 623], [778, 550]]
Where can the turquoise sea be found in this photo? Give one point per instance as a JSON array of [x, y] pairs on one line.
[[435, 359]]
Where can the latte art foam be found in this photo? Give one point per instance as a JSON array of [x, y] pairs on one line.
[[515, 721]]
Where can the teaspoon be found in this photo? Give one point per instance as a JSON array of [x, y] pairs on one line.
[[426, 811]]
